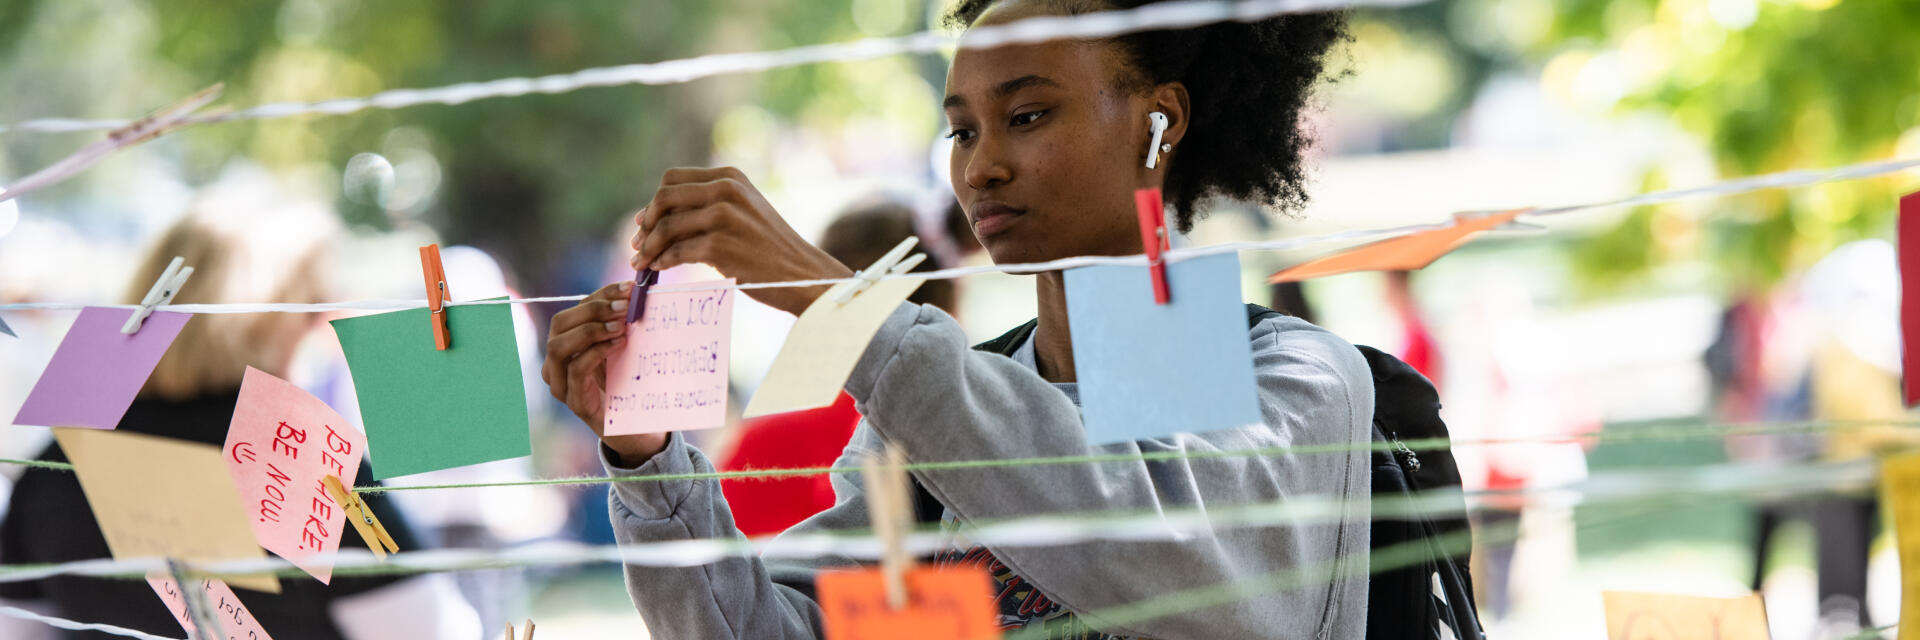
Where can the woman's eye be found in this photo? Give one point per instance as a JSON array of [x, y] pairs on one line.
[[960, 135], [1027, 118]]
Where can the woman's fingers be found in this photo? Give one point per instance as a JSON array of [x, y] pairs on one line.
[[573, 329], [599, 306], [677, 228], [586, 393]]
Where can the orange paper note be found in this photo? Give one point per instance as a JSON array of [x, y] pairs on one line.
[[281, 443], [1405, 253], [235, 621], [1660, 616], [942, 604]]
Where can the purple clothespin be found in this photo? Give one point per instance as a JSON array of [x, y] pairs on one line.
[[642, 279]]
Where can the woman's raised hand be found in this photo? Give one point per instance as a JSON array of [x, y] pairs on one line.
[[576, 367], [715, 216]]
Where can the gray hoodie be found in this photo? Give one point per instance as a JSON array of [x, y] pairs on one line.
[[921, 387]]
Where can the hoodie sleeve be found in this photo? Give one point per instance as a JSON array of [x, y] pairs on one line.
[[921, 387]]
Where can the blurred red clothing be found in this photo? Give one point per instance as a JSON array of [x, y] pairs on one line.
[[811, 438]]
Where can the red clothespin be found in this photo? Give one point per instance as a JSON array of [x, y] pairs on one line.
[[1153, 235], [437, 296]]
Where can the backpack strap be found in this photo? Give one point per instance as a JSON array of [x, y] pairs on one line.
[[1010, 341]]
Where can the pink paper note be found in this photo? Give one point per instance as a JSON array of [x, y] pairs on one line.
[[281, 443], [671, 375], [96, 371], [236, 622]]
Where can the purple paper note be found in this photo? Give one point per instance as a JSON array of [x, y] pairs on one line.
[[97, 370]]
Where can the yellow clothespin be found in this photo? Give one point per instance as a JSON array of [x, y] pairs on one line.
[[362, 518], [529, 631], [890, 264], [892, 515], [174, 277]]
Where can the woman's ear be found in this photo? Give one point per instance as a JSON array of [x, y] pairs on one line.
[[1171, 99]]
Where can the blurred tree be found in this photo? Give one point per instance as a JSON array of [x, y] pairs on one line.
[[539, 180], [1769, 85]]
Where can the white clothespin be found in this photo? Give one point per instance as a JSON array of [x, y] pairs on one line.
[[160, 122], [892, 514], [889, 264], [162, 293], [529, 636]]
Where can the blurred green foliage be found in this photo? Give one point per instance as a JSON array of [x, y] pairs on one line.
[[1768, 85], [534, 179]]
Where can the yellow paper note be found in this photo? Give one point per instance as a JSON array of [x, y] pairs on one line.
[[161, 497], [1662, 616], [1900, 490], [824, 345]]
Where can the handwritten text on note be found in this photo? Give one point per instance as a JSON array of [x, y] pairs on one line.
[[281, 443], [671, 374]]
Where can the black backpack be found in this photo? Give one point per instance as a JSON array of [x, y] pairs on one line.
[[1431, 588]]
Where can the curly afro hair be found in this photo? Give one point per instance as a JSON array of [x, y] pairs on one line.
[[1249, 84]]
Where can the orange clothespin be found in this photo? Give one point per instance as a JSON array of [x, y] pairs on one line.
[[437, 296], [362, 518], [891, 513], [1153, 235], [529, 635]]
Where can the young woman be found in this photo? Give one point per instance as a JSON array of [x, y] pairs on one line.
[[1050, 142]]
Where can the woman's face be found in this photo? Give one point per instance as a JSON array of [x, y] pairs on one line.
[[1047, 150]]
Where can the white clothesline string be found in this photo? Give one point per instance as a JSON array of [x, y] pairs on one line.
[[1781, 180], [1618, 487], [72, 625], [1168, 15]]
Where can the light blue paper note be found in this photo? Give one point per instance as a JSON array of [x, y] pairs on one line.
[[1149, 370], [6, 329]]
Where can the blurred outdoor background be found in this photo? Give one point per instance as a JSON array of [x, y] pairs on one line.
[[1701, 311]]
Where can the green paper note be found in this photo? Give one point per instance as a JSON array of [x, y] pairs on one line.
[[427, 409]]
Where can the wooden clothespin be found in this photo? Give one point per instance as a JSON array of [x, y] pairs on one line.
[[152, 126], [437, 296], [174, 277], [891, 511], [1153, 236], [529, 635], [362, 518], [895, 262]]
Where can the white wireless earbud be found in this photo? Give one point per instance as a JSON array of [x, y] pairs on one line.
[[1158, 123]]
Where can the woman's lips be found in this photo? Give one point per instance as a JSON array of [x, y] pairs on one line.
[[992, 218]]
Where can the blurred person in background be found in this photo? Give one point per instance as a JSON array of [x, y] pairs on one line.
[[1854, 295], [816, 437], [239, 254]]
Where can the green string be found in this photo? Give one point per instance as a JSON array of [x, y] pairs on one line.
[[1619, 433], [1624, 432]]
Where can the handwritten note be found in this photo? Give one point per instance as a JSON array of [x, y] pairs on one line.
[[943, 604], [671, 375], [1910, 295], [96, 371], [1662, 616], [426, 409], [1405, 253], [160, 497], [235, 621], [281, 442], [823, 346], [1900, 491], [1148, 370]]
